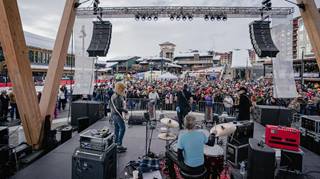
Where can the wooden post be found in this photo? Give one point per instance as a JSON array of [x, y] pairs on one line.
[[58, 59], [311, 19], [16, 57]]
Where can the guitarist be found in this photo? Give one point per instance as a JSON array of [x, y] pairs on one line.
[[117, 107]]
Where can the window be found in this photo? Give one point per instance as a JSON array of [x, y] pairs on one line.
[[31, 56], [36, 57]]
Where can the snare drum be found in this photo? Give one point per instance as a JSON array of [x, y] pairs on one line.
[[214, 159]]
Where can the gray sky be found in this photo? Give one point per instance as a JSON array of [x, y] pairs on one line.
[[142, 38]]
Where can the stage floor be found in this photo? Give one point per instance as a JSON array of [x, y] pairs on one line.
[[57, 164]]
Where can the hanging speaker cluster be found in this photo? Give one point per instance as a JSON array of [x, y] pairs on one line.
[[260, 35], [101, 38]]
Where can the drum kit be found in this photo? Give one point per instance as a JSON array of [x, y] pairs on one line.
[[166, 134]]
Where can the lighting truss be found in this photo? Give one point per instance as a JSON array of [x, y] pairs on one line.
[[188, 11]]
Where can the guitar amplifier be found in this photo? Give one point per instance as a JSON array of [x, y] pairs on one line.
[[99, 140], [282, 137], [273, 115], [311, 123], [310, 140], [242, 134]]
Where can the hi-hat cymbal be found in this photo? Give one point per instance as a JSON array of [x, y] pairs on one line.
[[167, 136], [169, 123], [224, 129]]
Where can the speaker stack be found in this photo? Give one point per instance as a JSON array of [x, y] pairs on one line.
[[261, 39], [273, 115], [101, 38]]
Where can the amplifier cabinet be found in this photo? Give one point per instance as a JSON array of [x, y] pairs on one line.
[[310, 140], [94, 110], [237, 153], [94, 164], [311, 123], [273, 115]]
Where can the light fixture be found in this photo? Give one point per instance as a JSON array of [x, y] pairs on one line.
[[218, 17], [171, 17], [155, 18], [212, 18], [143, 18], [184, 18], [178, 18], [136, 17], [206, 17], [224, 18], [190, 18], [149, 18]]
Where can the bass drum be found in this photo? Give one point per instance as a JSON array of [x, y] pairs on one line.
[[214, 159]]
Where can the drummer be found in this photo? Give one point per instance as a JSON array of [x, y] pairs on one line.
[[191, 147]]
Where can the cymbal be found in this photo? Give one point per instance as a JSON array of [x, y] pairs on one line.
[[169, 123], [167, 136], [224, 129]]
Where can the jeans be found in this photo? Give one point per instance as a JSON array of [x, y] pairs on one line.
[[119, 128]]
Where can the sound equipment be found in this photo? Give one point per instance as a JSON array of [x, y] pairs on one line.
[[261, 160], [310, 140], [282, 137], [101, 38], [291, 160], [95, 164], [94, 110], [4, 135], [22, 150], [136, 120], [261, 39], [242, 134], [66, 134], [4, 154], [273, 115], [83, 123], [99, 140], [237, 153], [311, 123]]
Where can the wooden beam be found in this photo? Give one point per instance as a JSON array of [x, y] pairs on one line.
[[16, 57], [311, 19], [58, 59]]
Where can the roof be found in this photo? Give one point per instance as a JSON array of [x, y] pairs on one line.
[[167, 43], [172, 65], [157, 58], [45, 67], [240, 59], [191, 54], [41, 42], [121, 59]]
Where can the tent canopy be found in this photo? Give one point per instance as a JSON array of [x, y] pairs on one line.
[[167, 76]]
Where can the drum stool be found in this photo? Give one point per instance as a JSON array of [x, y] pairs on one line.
[[190, 176]]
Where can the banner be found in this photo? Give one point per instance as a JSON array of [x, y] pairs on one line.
[[84, 75]]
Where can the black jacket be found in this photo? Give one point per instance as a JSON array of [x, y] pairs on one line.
[[244, 108]]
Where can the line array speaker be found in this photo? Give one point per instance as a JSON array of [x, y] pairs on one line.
[[101, 38], [261, 39]]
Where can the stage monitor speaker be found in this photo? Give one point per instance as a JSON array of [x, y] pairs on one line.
[[101, 38], [94, 110], [83, 123], [66, 134], [261, 160], [291, 160], [95, 164], [273, 115], [261, 39]]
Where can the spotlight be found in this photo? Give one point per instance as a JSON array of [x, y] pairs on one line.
[[184, 18], [224, 18], [136, 17], [212, 18], [206, 17], [155, 18], [190, 18], [218, 18], [143, 18], [178, 18], [171, 17], [149, 18]]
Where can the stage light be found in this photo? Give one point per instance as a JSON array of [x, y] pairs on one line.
[[143, 18], [212, 18], [155, 18], [184, 18], [136, 17], [171, 17], [206, 17], [178, 18], [190, 18], [149, 18], [224, 18], [218, 18]]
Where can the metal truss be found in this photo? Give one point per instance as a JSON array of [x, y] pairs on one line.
[[189, 11]]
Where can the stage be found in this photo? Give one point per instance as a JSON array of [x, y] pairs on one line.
[[57, 164]]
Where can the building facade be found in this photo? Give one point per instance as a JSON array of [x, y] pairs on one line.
[[195, 60], [167, 50]]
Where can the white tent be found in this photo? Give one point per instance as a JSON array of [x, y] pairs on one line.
[[167, 76], [240, 59]]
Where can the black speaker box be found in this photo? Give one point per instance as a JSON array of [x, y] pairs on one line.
[[261, 39], [95, 164], [101, 38], [94, 110], [291, 160], [261, 160], [273, 115], [4, 154], [136, 120], [237, 153], [4, 135], [242, 134], [83, 123], [66, 134]]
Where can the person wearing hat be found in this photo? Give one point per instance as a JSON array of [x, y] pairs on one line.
[[244, 105], [117, 108]]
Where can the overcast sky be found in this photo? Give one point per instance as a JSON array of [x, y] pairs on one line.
[[130, 37]]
